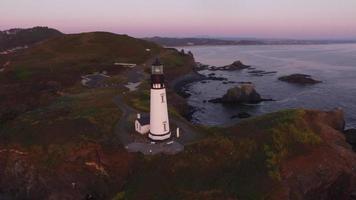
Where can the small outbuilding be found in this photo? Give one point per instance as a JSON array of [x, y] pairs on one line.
[[142, 124]]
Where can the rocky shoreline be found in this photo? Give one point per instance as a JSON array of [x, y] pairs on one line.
[[350, 135], [179, 85]]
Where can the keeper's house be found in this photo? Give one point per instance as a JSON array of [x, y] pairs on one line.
[[142, 124]]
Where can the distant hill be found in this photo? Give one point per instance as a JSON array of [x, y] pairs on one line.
[[66, 57], [21, 37], [171, 42], [165, 41], [63, 60], [73, 51]]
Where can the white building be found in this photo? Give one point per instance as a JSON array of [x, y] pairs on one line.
[[142, 124]]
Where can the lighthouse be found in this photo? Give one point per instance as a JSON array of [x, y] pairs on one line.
[[159, 121]]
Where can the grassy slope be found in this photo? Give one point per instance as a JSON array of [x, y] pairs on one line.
[[89, 116], [242, 161], [26, 37], [175, 65], [56, 124], [80, 53], [60, 62], [68, 114]]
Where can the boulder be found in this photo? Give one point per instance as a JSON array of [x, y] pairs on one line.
[[244, 93], [237, 65], [299, 79], [351, 137], [261, 72], [241, 115], [211, 74]]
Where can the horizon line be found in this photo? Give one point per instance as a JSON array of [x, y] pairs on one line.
[[202, 36]]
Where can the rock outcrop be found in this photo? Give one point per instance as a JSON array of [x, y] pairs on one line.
[[241, 115], [350, 135], [302, 79], [87, 173], [244, 93], [327, 171], [237, 65]]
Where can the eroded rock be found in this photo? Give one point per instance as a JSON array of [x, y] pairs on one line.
[[302, 79], [244, 93]]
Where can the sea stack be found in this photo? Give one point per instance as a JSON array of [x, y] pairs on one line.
[[159, 121]]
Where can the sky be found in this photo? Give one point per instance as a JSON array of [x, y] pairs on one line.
[[299, 19]]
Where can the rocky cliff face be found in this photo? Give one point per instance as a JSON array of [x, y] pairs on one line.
[[89, 172], [325, 172]]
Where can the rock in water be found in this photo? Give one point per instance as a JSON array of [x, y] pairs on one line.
[[244, 93], [242, 115], [351, 137], [299, 79], [237, 65]]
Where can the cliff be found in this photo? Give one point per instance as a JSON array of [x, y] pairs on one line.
[[295, 154]]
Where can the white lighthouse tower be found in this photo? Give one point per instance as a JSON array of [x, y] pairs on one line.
[[159, 121]]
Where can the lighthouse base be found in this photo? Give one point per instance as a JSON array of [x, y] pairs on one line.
[[159, 137]]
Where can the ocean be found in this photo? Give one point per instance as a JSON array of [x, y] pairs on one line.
[[334, 64]]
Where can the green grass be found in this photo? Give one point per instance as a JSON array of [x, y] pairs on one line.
[[242, 161], [173, 60], [141, 100], [93, 110], [96, 47], [216, 163], [176, 64], [119, 196], [284, 134], [270, 120], [22, 73], [285, 140], [54, 156], [66, 57]]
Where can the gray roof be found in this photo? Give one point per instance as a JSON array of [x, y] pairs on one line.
[[144, 120]]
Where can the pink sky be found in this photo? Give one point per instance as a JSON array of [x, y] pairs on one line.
[[244, 18]]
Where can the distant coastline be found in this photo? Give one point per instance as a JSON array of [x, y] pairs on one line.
[[178, 42]]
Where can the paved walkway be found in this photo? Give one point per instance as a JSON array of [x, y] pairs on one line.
[[169, 147]]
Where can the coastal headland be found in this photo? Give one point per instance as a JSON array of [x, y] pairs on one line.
[[62, 138]]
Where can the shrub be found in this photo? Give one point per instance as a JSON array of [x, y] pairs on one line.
[[286, 136]]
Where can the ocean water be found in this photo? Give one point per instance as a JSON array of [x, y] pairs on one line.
[[333, 64]]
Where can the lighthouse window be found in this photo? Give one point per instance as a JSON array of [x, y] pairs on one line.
[[162, 97], [164, 126]]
